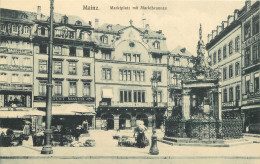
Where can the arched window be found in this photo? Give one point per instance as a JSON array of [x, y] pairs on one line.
[[104, 39], [156, 45], [42, 31]]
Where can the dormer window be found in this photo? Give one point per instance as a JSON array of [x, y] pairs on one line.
[[104, 39], [109, 27], [78, 23], [156, 45], [65, 19]]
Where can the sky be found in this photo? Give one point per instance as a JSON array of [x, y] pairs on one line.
[[179, 23]]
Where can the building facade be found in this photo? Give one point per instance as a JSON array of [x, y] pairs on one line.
[[179, 63], [224, 52], [126, 59], [72, 65], [16, 65], [251, 65]]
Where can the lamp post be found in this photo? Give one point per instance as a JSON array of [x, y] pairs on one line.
[[47, 148], [154, 149]]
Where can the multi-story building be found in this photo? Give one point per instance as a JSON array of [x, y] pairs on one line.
[[249, 17], [73, 65], [179, 63], [16, 66], [224, 53], [126, 59]]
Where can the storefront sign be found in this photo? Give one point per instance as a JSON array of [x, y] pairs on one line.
[[69, 99]]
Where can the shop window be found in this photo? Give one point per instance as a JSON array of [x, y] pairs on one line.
[[16, 100]]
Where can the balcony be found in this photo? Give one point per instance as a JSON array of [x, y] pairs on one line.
[[15, 51], [16, 68], [131, 104], [251, 95], [21, 87]]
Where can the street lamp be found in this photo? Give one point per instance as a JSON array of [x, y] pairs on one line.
[[154, 149], [47, 148]]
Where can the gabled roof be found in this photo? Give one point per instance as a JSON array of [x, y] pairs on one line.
[[181, 51], [111, 28]]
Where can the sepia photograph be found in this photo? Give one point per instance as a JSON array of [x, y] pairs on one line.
[[129, 81]]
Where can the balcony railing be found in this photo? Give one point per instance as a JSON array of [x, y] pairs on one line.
[[132, 104], [23, 87], [16, 68], [15, 51]]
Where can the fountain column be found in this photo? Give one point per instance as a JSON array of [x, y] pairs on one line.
[[186, 104]]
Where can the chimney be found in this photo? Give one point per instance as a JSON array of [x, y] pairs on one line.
[[39, 13], [183, 50], [147, 26], [209, 37], [96, 23], [90, 23], [236, 14], [229, 19], [159, 32], [213, 34], [224, 25], [219, 28], [248, 5]]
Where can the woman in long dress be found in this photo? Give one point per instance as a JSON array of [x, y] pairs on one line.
[[140, 129]]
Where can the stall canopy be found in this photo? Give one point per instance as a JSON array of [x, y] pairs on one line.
[[21, 113], [73, 109], [107, 93]]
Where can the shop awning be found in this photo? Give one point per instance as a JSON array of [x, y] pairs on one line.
[[107, 93], [13, 114], [73, 109]]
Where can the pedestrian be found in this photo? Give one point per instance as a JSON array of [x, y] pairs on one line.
[[27, 128], [77, 132], [140, 130], [85, 126]]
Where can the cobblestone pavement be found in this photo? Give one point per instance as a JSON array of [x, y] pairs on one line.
[[106, 147]]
